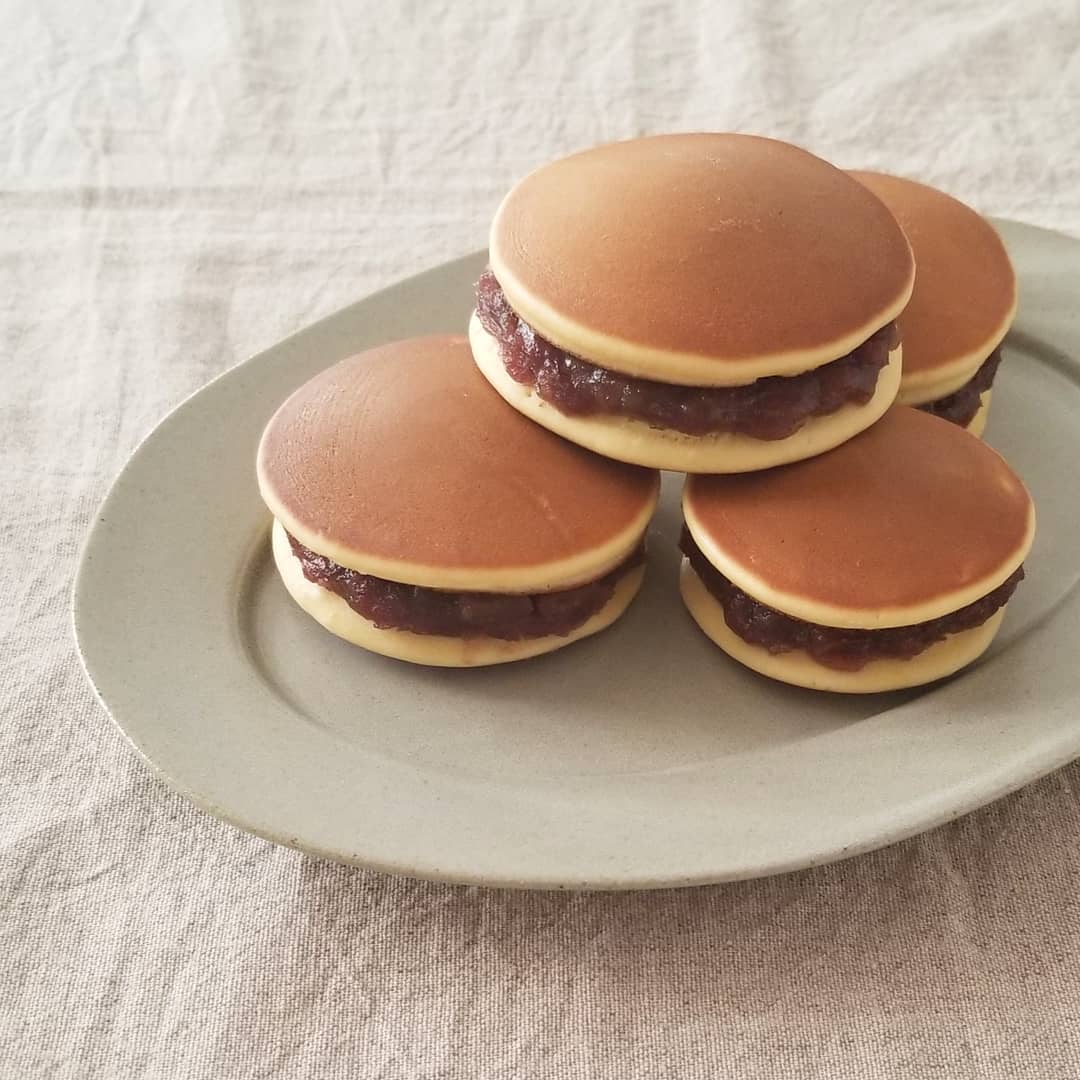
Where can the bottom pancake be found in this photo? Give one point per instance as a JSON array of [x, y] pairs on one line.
[[977, 424], [636, 442], [799, 669], [963, 404], [335, 614]]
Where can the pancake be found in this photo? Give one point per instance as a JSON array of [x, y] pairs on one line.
[[964, 299], [939, 660], [435, 650], [403, 463], [725, 261], [968, 406], [977, 424], [869, 558], [723, 258], [414, 508], [662, 448]]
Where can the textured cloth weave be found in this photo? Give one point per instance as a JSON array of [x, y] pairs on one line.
[[185, 183]]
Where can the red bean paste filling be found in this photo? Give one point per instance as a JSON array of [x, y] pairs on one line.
[[961, 406], [831, 646], [771, 408], [391, 605]]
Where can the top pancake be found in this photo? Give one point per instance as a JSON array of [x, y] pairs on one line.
[[910, 520], [965, 288], [703, 259], [404, 463]]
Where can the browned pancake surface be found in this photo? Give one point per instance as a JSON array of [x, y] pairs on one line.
[[965, 287], [406, 453], [721, 245]]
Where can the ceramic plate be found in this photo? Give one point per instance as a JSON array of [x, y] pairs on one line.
[[640, 758]]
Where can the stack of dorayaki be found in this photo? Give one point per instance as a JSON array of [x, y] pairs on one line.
[[815, 348]]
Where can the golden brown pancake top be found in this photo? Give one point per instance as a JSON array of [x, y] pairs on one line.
[[727, 246], [965, 287], [406, 453], [912, 509]]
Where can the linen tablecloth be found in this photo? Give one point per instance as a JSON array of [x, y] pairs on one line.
[[185, 183]]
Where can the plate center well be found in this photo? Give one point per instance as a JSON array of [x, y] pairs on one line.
[[650, 695]]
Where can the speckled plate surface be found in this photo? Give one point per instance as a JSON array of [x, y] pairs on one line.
[[639, 758]]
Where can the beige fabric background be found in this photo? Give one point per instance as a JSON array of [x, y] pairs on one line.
[[183, 184]]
